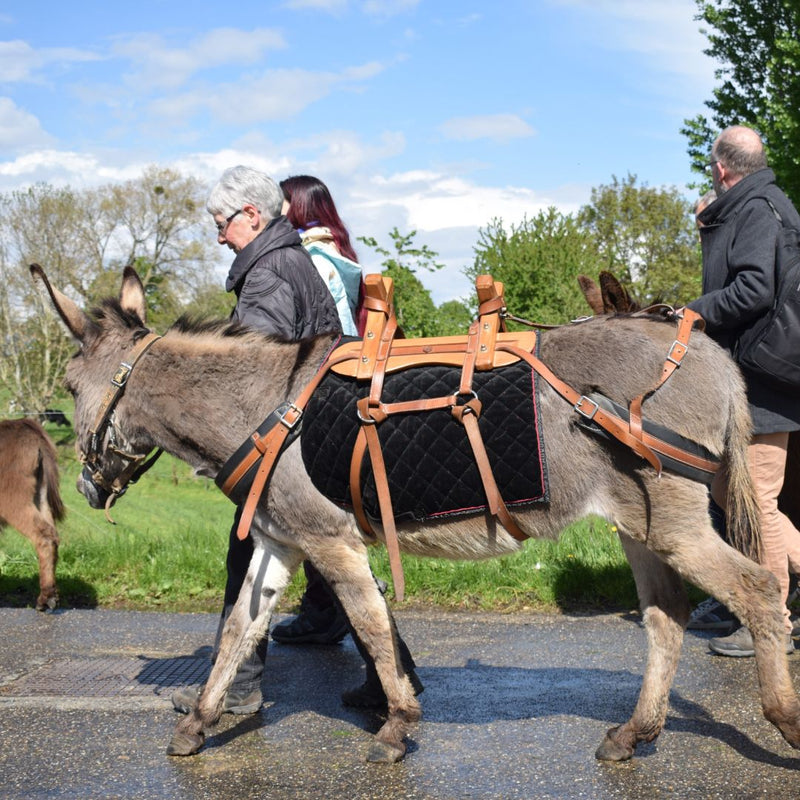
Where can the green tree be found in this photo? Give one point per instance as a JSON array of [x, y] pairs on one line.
[[648, 238], [757, 44], [538, 262], [416, 312], [83, 238]]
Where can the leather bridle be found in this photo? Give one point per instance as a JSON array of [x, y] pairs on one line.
[[104, 424]]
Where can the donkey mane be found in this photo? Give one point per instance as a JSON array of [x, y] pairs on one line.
[[199, 326]]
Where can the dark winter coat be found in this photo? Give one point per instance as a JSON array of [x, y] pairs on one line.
[[278, 288], [738, 237]]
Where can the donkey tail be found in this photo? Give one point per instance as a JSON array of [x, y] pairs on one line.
[[742, 516], [48, 466]]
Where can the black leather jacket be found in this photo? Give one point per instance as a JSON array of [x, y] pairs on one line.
[[278, 289]]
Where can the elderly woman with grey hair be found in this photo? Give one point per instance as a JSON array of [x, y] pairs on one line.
[[279, 292]]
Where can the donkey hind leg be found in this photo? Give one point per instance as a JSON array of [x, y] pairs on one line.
[[37, 525], [753, 595], [271, 568], [665, 607], [346, 568]]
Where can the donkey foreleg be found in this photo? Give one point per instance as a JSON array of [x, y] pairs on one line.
[[665, 608], [271, 568], [346, 568]]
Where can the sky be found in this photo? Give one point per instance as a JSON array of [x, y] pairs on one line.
[[435, 116]]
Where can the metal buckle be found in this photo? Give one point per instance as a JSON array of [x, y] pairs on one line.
[[588, 415], [364, 420], [121, 375], [679, 346], [286, 423]]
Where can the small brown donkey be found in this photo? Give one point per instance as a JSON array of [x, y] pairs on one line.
[[198, 392], [29, 496]]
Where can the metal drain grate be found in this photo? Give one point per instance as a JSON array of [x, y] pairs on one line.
[[109, 677]]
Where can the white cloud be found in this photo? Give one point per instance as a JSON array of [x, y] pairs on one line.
[[388, 8], [499, 127], [19, 130], [435, 200], [276, 94], [158, 66], [662, 31], [60, 167], [19, 61]]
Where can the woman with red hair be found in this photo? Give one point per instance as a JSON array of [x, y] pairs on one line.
[[308, 205]]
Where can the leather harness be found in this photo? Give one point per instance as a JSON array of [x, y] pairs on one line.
[[486, 346]]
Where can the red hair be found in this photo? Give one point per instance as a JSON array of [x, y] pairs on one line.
[[310, 204]]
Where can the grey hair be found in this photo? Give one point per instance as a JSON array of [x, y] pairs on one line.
[[706, 200], [240, 185], [741, 150]]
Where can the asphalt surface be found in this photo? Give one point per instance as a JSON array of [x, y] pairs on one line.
[[514, 707]]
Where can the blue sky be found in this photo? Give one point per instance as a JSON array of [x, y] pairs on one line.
[[428, 115]]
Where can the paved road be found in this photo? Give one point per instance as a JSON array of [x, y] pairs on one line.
[[514, 707]]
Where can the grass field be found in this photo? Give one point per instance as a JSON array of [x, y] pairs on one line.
[[167, 551]]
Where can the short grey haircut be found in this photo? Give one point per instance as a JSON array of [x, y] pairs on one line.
[[741, 150], [240, 185]]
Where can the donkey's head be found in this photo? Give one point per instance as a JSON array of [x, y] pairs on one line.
[[110, 338]]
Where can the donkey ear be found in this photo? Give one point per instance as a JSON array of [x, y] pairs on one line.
[[591, 291], [73, 317], [615, 296], [131, 294]]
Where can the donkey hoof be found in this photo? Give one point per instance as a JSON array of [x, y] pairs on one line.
[[47, 603], [185, 744], [612, 750], [791, 732], [385, 753]]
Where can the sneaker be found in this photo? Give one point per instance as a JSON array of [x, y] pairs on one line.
[[326, 627], [740, 644], [185, 700], [711, 615], [371, 695]]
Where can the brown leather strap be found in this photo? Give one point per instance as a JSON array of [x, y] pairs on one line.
[[382, 359], [679, 348], [468, 368], [272, 442], [378, 294], [491, 304], [369, 434], [468, 415], [588, 408], [118, 381]]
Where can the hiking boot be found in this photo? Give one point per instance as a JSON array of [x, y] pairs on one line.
[[312, 627], [740, 644], [236, 702], [371, 695], [711, 615]]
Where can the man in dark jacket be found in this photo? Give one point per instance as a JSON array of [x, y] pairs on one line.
[[738, 233]]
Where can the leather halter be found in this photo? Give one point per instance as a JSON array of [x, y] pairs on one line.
[[137, 464]]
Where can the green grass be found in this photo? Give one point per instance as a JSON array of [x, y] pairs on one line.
[[167, 551]]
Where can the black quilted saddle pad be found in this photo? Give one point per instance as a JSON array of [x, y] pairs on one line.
[[429, 461]]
